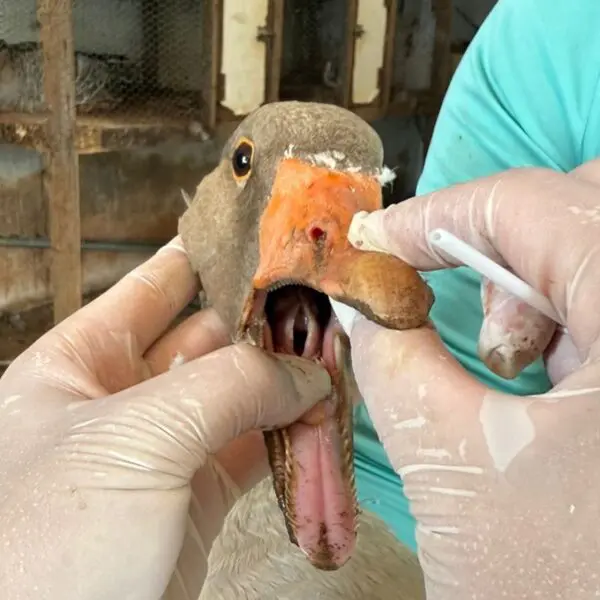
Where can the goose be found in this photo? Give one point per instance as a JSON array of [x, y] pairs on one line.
[[266, 232]]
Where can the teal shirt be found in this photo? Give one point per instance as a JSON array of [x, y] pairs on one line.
[[525, 94]]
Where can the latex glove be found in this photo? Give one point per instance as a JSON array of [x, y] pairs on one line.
[[100, 441], [505, 489]]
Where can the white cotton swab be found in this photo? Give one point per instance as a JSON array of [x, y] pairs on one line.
[[469, 256]]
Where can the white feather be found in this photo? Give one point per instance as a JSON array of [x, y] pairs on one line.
[[386, 176]]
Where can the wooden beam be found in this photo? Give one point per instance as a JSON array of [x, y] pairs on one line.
[[61, 161], [26, 130], [94, 135]]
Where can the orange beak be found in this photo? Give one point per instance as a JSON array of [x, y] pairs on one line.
[[303, 239]]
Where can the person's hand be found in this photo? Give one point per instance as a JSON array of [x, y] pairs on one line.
[[102, 446], [505, 489]]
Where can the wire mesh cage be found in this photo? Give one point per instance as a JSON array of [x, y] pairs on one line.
[[315, 57], [135, 58], [19, 39], [93, 76], [211, 61]]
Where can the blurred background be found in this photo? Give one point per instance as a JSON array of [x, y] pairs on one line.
[[109, 109]]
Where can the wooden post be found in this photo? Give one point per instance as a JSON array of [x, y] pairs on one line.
[[61, 162]]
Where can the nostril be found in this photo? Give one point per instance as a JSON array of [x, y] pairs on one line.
[[316, 234]]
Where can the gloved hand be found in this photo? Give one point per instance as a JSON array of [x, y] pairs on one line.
[[102, 446], [505, 489]]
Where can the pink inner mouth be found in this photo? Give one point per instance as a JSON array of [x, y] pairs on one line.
[[300, 321]]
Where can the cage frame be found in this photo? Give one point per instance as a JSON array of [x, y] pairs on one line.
[[60, 135], [272, 36], [425, 103]]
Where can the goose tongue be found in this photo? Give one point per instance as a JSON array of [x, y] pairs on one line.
[[321, 501]]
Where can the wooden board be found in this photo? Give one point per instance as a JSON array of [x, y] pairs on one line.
[[95, 135]]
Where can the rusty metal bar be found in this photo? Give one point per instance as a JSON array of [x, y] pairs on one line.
[[61, 161]]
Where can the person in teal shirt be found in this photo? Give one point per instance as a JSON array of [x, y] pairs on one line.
[[526, 94]]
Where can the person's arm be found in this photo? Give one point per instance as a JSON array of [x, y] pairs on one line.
[[526, 94], [504, 488]]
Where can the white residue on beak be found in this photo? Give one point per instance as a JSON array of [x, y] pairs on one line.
[[327, 159], [331, 159], [386, 176]]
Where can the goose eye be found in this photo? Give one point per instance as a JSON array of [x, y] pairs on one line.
[[242, 159]]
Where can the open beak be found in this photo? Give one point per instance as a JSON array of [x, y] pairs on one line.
[[303, 237], [304, 258]]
